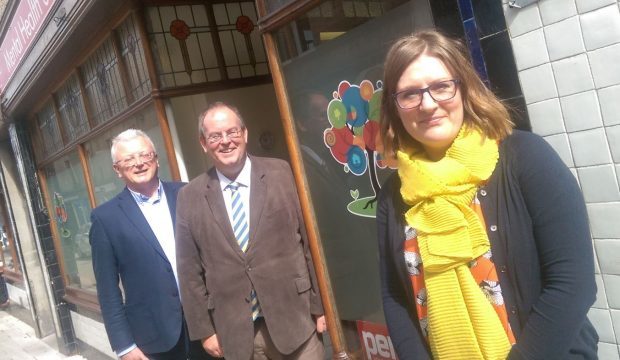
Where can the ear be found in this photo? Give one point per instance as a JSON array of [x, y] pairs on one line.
[[204, 143], [117, 170]]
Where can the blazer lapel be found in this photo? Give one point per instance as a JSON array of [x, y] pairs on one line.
[[171, 198], [215, 200], [134, 214], [258, 194]]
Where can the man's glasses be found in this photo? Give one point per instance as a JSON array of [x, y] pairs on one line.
[[136, 159], [412, 98], [233, 133]]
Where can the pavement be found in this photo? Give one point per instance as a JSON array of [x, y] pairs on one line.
[[19, 342]]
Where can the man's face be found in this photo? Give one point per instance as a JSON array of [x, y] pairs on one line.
[[136, 163], [224, 139]]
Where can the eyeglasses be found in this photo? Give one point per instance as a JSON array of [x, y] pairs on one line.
[[233, 133], [412, 98], [136, 159]]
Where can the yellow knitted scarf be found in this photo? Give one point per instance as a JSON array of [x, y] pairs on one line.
[[462, 323]]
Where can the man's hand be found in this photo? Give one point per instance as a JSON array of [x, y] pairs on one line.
[[135, 354], [321, 325], [212, 346]]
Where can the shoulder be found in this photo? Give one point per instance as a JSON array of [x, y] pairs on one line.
[[269, 163], [110, 206], [524, 142], [199, 182]]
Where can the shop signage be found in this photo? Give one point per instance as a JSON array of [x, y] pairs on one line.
[[376, 343], [27, 21]]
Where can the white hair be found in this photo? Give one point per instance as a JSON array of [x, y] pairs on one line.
[[126, 136]]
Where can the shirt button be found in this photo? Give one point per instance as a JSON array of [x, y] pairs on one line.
[[493, 227], [483, 192]]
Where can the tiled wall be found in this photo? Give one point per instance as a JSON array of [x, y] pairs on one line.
[[568, 56]]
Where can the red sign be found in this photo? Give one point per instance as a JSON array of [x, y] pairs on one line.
[[26, 23], [376, 342]]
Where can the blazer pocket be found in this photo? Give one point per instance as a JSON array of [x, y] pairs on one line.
[[303, 284]]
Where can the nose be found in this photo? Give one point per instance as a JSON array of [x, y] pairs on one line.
[[225, 138], [427, 103]]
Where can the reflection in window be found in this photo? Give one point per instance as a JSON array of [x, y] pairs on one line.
[[8, 256], [72, 114], [105, 181], [332, 61], [327, 21], [103, 83], [48, 134], [133, 56], [70, 210]]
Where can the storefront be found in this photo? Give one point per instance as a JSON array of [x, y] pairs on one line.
[[306, 75]]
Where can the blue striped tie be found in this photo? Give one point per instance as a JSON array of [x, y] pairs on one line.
[[242, 233]]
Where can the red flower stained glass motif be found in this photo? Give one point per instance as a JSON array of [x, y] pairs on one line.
[[179, 29], [244, 24]]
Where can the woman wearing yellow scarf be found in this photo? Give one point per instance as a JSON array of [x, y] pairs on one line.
[[484, 239]]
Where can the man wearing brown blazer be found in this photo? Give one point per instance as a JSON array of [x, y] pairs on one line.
[[248, 285]]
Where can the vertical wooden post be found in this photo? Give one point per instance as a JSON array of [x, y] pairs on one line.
[[331, 312]]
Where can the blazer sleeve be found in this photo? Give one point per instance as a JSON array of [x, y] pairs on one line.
[[406, 336], [561, 231], [194, 291], [316, 305], [106, 272]]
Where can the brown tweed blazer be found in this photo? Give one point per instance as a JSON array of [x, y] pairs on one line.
[[216, 277]]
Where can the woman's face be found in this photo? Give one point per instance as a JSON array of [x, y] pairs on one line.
[[433, 124]]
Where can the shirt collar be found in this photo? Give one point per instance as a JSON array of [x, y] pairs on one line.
[[242, 179], [143, 199]]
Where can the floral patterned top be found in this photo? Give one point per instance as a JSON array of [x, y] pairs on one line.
[[482, 269]]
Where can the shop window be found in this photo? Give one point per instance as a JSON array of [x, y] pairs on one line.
[[8, 255], [103, 83], [48, 133], [133, 57], [332, 61], [70, 212], [105, 181], [194, 44], [71, 109]]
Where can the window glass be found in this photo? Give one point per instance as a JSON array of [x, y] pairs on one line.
[[332, 60], [8, 256], [70, 211], [105, 181]]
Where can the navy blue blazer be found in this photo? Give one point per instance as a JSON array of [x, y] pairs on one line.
[[125, 248]]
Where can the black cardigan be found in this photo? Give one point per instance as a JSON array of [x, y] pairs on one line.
[[538, 228]]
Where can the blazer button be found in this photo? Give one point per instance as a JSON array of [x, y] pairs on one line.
[[493, 227], [483, 192], [513, 310], [502, 268]]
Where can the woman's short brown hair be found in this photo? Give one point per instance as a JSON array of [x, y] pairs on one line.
[[482, 109]]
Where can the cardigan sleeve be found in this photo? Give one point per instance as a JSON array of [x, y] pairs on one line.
[[561, 231], [406, 336]]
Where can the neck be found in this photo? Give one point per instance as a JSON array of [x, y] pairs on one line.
[[232, 172], [147, 189], [435, 154]]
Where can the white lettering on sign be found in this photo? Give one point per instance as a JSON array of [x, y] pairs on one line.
[[378, 345], [25, 25]]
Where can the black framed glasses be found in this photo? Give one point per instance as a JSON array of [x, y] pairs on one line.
[[136, 159], [233, 133], [440, 91]]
